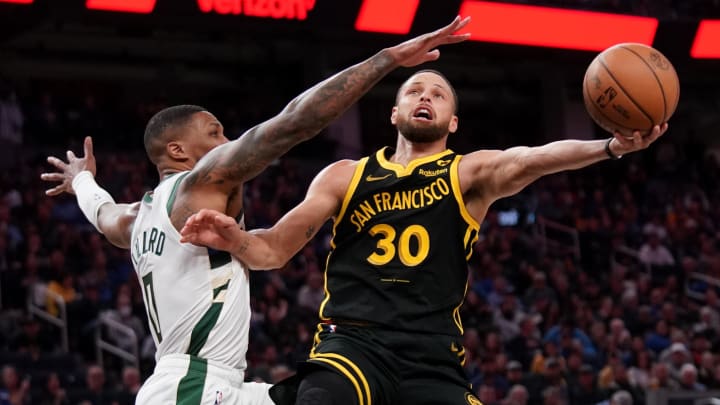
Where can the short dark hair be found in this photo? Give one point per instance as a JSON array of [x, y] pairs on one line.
[[452, 89], [165, 119]]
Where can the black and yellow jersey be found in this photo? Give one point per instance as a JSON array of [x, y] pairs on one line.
[[400, 246]]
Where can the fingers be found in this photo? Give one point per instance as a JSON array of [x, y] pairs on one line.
[[57, 163], [432, 55], [54, 191], [52, 177], [70, 156], [88, 147]]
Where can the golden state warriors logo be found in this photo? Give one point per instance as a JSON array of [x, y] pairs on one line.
[[472, 399]]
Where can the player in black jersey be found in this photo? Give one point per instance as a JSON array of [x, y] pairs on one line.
[[405, 220]]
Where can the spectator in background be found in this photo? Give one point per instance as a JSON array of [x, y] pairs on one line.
[[64, 287], [517, 395], [123, 314], [639, 372], [312, 292], [53, 393], [94, 392], [621, 398], [585, 390], [130, 386], [654, 253], [660, 377], [14, 391], [688, 379]]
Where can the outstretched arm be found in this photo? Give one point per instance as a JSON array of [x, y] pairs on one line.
[[497, 174], [313, 110], [265, 249], [77, 177]]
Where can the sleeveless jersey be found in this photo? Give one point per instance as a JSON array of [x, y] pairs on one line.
[[400, 246], [197, 300]]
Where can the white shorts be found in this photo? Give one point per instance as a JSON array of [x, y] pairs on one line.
[[180, 379]]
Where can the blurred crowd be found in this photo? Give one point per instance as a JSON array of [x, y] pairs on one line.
[[637, 310]]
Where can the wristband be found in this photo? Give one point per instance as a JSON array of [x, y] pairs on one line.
[[90, 196], [609, 152]]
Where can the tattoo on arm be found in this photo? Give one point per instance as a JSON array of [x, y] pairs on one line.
[[243, 247], [303, 118], [310, 232]]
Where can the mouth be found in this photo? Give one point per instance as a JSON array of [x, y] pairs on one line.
[[423, 114]]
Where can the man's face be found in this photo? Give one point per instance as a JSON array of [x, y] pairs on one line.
[[425, 110], [203, 133]]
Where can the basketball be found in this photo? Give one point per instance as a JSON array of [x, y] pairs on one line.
[[630, 87]]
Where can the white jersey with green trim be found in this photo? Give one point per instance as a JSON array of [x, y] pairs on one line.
[[197, 300]]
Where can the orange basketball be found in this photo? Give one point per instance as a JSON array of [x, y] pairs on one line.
[[630, 87]]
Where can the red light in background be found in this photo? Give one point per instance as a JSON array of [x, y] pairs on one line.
[[17, 1], [123, 6], [392, 17], [554, 27], [277, 9], [706, 44]]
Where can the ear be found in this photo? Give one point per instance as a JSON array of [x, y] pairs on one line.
[[453, 124], [393, 116], [176, 151]]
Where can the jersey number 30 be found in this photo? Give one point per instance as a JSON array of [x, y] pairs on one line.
[[387, 245]]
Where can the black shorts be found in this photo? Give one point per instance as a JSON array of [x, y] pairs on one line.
[[389, 367]]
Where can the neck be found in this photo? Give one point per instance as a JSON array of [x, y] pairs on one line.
[[407, 151], [165, 170]]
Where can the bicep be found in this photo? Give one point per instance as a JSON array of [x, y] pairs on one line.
[[116, 222], [495, 173]]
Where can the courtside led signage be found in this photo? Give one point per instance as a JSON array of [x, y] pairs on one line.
[[277, 9], [554, 27], [392, 17], [707, 40], [124, 6]]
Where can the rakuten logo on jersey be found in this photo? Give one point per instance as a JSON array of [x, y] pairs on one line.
[[276, 9]]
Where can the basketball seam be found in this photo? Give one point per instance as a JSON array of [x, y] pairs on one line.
[[601, 111], [657, 79], [632, 100]]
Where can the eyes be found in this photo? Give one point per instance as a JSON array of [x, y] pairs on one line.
[[436, 94]]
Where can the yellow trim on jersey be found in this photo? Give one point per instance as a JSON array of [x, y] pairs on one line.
[[347, 374], [455, 181], [401, 170], [346, 201], [325, 287], [348, 195], [456, 312]]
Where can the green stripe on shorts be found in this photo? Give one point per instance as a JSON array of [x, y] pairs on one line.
[[190, 388]]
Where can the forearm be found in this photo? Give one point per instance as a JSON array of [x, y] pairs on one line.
[[258, 250], [562, 155]]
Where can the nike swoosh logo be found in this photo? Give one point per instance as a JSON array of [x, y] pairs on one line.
[[370, 177], [442, 163]]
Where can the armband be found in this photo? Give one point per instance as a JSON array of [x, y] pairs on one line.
[[609, 152], [90, 196]]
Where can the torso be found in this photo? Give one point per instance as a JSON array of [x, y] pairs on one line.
[[400, 245], [197, 301]]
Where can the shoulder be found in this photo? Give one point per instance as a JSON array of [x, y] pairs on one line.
[[336, 177]]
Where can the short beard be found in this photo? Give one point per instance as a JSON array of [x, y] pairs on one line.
[[418, 134]]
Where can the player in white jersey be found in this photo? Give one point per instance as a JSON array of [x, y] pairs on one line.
[[197, 300]]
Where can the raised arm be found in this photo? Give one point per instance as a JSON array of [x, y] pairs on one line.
[[77, 177], [266, 249], [313, 110], [495, 174]]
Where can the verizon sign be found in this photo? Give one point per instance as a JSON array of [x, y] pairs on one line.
[[276, 9]]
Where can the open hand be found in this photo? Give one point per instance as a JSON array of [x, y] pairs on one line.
[[621, 144], [423, 48], [212, 229], [68, 171]]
